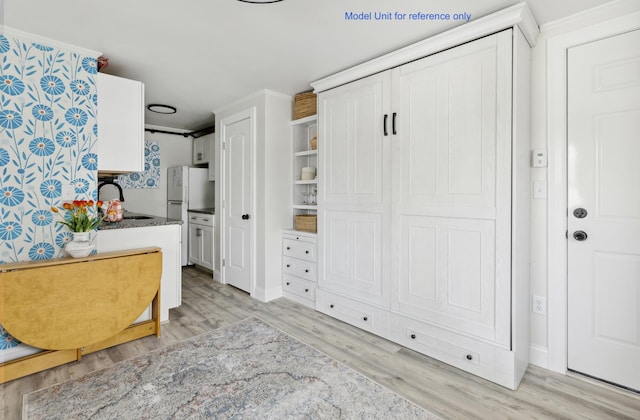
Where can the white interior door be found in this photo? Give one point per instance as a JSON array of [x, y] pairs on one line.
[[604, 209], [237, 135]]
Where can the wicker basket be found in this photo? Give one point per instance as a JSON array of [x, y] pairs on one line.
[[304, 105], [307, 222]]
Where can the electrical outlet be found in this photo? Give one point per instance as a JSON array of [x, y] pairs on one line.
[[539, 305]]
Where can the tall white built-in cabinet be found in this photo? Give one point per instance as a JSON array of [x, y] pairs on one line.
[[423, 230]]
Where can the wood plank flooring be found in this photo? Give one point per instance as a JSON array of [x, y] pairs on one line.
[[442, 389]]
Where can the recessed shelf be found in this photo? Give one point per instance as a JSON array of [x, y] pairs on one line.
[[306, 153], [305, 206], [304, 120]]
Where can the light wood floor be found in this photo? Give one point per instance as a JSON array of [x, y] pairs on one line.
[[442, 389]]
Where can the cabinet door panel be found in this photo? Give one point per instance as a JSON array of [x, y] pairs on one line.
[[452, 170], [447, 273], [449, 134], [352, 141], [120, 145], [353, 259]]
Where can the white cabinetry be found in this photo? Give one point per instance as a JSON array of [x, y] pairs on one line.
[[120, 145], [202, 149], [423, 237], [201, 239], [299, 268], [166, 237]]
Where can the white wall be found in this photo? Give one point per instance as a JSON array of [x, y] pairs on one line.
[[548, 216], [174, 150]]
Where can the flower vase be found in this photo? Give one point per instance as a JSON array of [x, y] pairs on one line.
[[80, 246]]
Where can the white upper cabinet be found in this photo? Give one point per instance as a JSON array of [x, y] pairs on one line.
[[120, 145], [202, 149]]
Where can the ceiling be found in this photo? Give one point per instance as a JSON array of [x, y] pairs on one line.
[[199, 55]]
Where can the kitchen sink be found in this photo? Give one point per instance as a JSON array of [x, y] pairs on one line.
[[136, 217]]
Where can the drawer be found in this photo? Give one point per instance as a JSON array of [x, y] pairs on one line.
[[299, 268], [459, 350], [353, 312], [201, 219], [299, 249], [300, 237], [299, 287]]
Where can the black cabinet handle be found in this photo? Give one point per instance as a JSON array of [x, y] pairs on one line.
[[288, 265], [365, 318], [413, 336], [288, 248], [331, 306], [393, 124], [245, 217], [385, 124], [306, 252], [288, 283], [306, 290], [469, 357], [306, 271]]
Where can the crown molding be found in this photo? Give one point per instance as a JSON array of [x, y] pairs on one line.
[[517, 15]]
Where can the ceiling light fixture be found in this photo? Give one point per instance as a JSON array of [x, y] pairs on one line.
[[260, 1], [162, 109]]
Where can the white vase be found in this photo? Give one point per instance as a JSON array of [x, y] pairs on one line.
[[80, 246]]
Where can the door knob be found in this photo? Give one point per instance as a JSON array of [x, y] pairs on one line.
[[580, 213], [245, 217], [580, 235]]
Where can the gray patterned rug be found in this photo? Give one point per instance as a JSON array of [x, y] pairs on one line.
[[248, 370]]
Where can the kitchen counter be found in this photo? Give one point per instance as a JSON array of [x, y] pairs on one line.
[[208, 210], [136, 220]]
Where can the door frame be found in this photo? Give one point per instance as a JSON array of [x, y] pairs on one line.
[[252, 114], [622, 17]]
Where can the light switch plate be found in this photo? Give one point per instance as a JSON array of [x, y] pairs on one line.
[[539, 158]]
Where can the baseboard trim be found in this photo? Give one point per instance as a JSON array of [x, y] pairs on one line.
[[539, 356]]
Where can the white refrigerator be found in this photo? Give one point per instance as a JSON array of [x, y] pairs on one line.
[[187, 188]]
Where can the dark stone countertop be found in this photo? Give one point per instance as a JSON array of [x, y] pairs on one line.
[[136, 220], [208, 210]]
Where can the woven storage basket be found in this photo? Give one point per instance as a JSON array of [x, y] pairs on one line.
[[304, 105], [307, 222]]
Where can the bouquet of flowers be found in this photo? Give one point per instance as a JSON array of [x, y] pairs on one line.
[[80, 215]]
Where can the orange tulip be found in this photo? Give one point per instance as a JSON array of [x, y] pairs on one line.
[[54, 209]]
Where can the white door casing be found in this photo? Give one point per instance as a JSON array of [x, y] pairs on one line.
[[603, 178], [238, 136]]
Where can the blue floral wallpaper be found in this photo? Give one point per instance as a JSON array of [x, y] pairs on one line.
[[48, 130], [150, 177]]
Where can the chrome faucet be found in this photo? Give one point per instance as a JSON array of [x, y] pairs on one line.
[[111, 181]]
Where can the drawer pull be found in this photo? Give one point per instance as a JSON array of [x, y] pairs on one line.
[[306, 252], [413, 336], [331, 306], [469, 357], [288, 265], [288, 248], [297, 238], [288, 283], [306, 290], [306, 271], [365, 318]]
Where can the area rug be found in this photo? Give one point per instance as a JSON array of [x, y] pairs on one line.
[[248, 370]]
